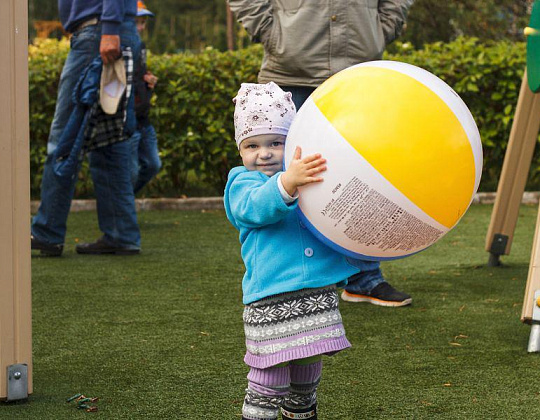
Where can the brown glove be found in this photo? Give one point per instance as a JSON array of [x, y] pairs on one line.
[[109, 49]]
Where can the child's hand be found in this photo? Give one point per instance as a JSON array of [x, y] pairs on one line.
[[150, 79], [302, 171]]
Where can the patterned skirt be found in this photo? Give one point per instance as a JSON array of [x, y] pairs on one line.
[[292, 326]]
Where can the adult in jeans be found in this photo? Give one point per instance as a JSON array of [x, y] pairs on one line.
[[305, 42], [98, 27]]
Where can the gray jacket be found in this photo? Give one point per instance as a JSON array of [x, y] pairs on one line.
[[307, 41]]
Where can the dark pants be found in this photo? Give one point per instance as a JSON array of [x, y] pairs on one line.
[[359, 282]]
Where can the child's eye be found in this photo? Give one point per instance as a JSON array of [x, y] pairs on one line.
[[277, 143], [251, 146]]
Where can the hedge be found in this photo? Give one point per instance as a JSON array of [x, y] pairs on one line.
[[193, 111]]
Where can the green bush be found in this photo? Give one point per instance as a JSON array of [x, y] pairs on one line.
[[193, 114], [193, 111], [45, 60]]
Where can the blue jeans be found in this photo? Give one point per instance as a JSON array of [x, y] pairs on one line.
[[370, 274], [109, 165], [145, 161]]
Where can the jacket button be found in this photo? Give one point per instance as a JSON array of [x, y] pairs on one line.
[[334, 18], [308, 252]]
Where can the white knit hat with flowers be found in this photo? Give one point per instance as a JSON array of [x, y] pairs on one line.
[[262, 109]]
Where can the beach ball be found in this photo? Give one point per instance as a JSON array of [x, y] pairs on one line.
[[404, 160]]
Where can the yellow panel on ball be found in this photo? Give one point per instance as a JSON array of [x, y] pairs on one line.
[[407, 133], [404, 160]]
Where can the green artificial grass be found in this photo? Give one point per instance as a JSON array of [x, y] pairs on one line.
[[160, 335]]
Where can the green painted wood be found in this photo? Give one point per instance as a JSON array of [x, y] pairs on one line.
[[533, 49]]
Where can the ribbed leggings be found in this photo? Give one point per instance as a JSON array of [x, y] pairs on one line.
[[289, 386]]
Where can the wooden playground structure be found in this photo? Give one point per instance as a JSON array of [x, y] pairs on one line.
[[15, 268], [517, 162], [15, 259]]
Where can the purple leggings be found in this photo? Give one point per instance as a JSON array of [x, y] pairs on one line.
[[291, 387]]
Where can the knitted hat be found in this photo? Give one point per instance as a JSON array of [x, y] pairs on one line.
[[262, 109]]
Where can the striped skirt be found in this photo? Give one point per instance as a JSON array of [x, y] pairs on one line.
[[292, 326]]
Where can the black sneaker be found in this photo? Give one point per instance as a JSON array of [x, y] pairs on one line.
[[299, 413], [383, 295], [47, 249], [102, 246]]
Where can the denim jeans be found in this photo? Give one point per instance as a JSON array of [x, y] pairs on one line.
[[109, 165], [299, 94], [145, 161], [369, 274]]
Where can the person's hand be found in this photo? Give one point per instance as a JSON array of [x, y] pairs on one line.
[[109, 48], [150, 80], [302, 171]]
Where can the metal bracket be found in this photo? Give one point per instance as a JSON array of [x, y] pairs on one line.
[[534, 338], [498, 248], [494, 260], [17, 382]]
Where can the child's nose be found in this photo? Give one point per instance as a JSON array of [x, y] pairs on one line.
[[266, 153]]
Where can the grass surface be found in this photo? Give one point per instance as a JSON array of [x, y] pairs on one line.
[[160, 335]]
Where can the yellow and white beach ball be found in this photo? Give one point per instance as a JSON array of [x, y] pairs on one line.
[[404, 159]]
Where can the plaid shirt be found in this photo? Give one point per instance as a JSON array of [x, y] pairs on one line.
[[104, 129]]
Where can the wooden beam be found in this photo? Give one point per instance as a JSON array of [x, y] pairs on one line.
[[533, 278], [515, 170], [15, 264], [230, 28]]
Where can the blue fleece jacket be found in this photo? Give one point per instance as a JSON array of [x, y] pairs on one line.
[[110, 12], [279, 253]]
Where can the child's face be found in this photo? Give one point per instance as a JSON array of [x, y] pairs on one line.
[[263, 153], [141, 23]]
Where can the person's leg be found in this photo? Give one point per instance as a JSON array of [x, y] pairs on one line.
[[369, 285], [84, 46], [49, 224], [117, 217], [149, 161], [301, 402], [265, 392], [366, 283], [299, 94], [134, 142], [367, 278]]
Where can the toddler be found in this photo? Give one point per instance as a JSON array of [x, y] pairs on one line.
[[145, 154], [291, 315]]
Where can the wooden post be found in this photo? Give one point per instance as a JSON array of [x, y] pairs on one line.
[[230, 28], [517, 162], [533, 279], [15, 264]]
